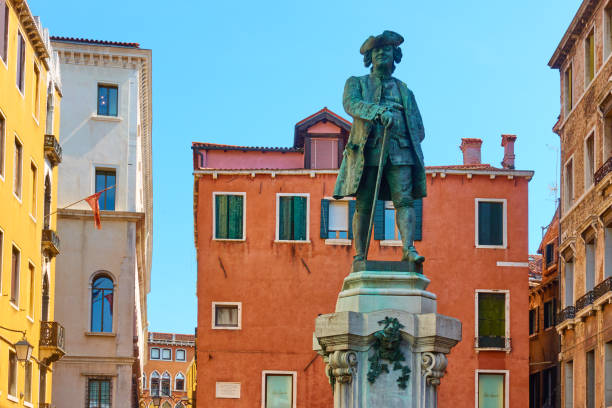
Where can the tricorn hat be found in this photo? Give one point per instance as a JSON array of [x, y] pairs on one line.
[[386, 38]]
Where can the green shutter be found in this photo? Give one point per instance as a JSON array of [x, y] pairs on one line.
[[379, 220], [324, 218], [418, 218], [221, 217], [299, 218], [492, 314], [235, 204], [497, 223], [351, 213], [285, 231], [490, 223]]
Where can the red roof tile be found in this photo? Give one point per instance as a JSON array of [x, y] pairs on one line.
[[94, 42], [322, 111]]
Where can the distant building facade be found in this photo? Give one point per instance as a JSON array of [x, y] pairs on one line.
[[273, 248], [103, 276], [585, 130], [30, 94], [544, 341], [166, 372]]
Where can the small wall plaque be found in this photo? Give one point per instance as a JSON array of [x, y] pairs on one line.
[[227, 390]]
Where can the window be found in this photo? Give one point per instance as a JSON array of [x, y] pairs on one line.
[[590, 379], [490, 223], [385, 228], [607, 251], [549, 314], [12, 374], [17, 169], [279, 389], [32, 291], [20, 62], [607, 32], [36, 88], [567, 90], [33, 171], [534, 390], [1, 258], [550, 254], [568, 279], [549, 387], [226, 315], [533, 321], [42, 384], [27, 387], [324, 153], [165, 384], [391, 231], [179, 382], [336, 219], [102, 305], [154, 383], [569, 185], [589, 161], [4, 21], [2, 149], [589, 58], [292, 221], [154, 353], [590, 265], [569, 384], [166, 354], [229, 220], [608, 373], [98, 393], [179, 355], [491, 390], [492, 328], [107, 100], [15, 265], [106, 179]]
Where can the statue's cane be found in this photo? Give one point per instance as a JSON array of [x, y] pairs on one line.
[[383, 150]]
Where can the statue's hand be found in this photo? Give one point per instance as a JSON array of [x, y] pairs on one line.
[[386, 118]]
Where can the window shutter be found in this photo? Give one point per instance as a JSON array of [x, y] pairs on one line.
[[324, 218], [379, 220], [418, 219], [284, 218], [235, 217], [497, 223], [221, 218], [351, 213], [491, 315], [299, 218]]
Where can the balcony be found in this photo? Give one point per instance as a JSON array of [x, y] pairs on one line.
[[566, 314], [53, 150], [492, 343], [603, 288], [603, 171], [52, 342], [50, 242], [585, 300]]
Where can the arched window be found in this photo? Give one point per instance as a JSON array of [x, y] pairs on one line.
[[102, 304], [44, 314], [165, 385], [179, 382], [154, 384], [47, 204]]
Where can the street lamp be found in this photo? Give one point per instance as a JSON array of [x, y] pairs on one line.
[[23, 350]]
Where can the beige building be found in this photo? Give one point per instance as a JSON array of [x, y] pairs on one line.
[[583, 59], [103, 275]]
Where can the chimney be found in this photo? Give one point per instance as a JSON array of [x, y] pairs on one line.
[[471, 150], [508, 144]]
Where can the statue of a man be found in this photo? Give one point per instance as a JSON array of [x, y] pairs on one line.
[[381, 104]]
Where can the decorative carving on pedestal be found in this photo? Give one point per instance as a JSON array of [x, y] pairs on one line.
[[387, 347], [433, 366], [341, 367]]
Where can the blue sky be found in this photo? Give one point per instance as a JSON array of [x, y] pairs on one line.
[[246, 72]]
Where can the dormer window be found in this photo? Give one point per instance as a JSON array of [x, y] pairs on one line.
[[323, 153]]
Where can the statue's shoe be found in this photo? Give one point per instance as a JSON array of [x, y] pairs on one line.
[[411, 255]]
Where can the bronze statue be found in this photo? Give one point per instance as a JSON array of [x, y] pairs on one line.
[[383, 157]]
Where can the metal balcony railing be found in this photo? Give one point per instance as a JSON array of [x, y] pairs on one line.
[[585, 300], [565, 314], [50, 242], [52, 341], [603, 288], [53, 150], [496, 342], [603, 170]]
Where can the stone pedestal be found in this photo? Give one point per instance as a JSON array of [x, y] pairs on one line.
[[385, 346]]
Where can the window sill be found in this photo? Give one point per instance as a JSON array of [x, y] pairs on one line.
[[12, 398], [479, 349], [533, 335], [280, 241], [30, 319], [226, 328], [491, 246], [104, 118], [230, 239], [338, 241], [33, 219], [35, 120], [100, 334], [28, 404], [391, 243], [17, 198], [14, 306]]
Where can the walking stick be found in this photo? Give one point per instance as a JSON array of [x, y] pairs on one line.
[[383, 149]]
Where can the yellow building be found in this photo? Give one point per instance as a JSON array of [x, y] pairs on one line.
[[192, 382], [30, 93]]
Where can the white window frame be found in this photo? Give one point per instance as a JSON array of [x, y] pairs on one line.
[[10, 396], [110, 118], [150, 350], [16, 306], [184, 381], [277, 239], [504, 201], [161, 355], [20, 196], [590, 31], [589, 180], [214, 215], [507, 346], [183, 350], [92, 278], [339, 241], [214, 309], [106, 167], [567, 205], [34, 190], [25, 60], [506, 374], [263, 385], [3, 145], [170, 388]]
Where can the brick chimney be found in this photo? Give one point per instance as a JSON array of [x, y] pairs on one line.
[[471, 150], [508, 144]]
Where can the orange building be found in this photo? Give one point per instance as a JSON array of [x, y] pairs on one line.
[[273, 248], [166, 370]]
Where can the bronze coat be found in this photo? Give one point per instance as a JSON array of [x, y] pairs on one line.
[[361, 102]]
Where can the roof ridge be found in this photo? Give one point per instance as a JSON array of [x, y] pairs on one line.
[[95, 42]]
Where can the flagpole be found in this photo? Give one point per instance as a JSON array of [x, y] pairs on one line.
[[82, 199]]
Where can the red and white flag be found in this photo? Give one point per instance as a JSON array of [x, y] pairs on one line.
[[93, 202]]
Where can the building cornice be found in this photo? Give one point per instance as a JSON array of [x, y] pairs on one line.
[[33, 30], [172, 343], [574, 31]]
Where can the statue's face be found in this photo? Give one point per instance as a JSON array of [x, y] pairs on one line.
[[382, 56]]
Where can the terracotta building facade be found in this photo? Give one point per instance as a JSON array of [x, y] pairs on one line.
[[585, 129], [273, 248]]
